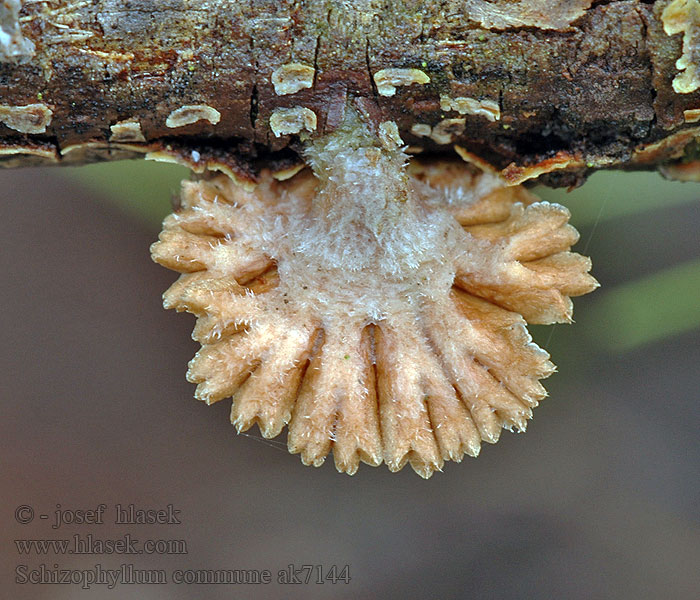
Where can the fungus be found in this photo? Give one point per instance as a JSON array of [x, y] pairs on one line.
[[285, 121], [421, 129], [388, 133], [691, 115], [126, 131], [447, 129], [19, 154], [32, 118], [186, 115], [516, 174], [543, 14], [14, 47], [683, 16], [292, 77], [387, 80], [376, 309], [470, 106]]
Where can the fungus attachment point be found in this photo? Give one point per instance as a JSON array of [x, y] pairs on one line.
[[376, 309]]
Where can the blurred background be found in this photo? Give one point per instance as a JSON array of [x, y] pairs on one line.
[[600, 499]]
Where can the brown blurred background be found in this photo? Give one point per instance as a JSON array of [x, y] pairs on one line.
[[598, 500]]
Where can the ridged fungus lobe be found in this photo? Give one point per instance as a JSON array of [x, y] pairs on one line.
[[376, 308]]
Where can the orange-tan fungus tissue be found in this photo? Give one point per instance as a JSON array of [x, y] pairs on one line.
[[683, 16], [377, 310], [542, 14]]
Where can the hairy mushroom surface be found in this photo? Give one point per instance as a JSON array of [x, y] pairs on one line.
[[377, 309]]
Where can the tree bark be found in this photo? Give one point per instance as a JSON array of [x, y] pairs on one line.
[[554, 88]]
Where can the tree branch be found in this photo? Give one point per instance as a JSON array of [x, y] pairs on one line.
[[555, 88]]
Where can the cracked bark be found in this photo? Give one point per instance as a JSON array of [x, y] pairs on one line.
[[574, 95]]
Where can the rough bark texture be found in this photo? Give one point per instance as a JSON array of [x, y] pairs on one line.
[[570, 86]]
